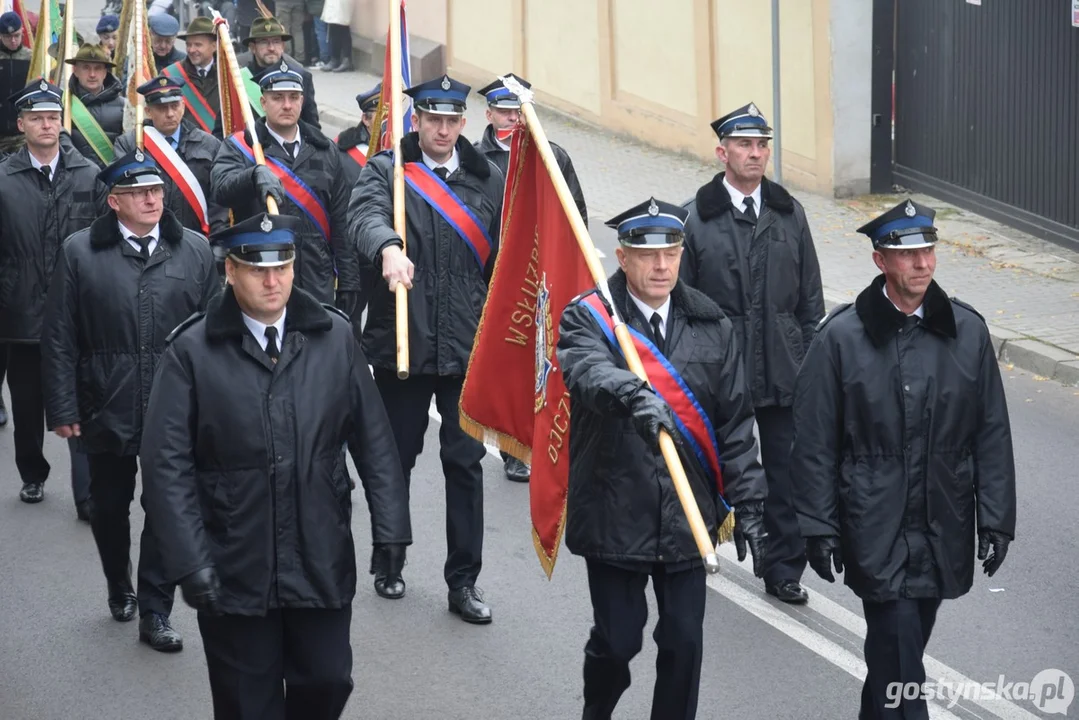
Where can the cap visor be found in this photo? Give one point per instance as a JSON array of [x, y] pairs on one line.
[[264, 258], [651, 241], [165, 100], [506, 104], [441, 108], [43, 107], [913, 241], [284, 87], [750, 132], [141, 181]]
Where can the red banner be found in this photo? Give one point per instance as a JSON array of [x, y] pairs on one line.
[[514, 391]]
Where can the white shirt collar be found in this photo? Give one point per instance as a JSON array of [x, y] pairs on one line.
[[647, 311], [52, 165], [207, 67], [259, 329], [919, 312], [451, 165], [126, 233], [281, 141], [739, 199]]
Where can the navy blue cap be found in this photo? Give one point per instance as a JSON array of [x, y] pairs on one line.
[[38, 96], [746, 121], [907, 226], [164, 25], [162, 89], [10, 22], [136, 169], [652, 224], [368, 101], [107, 24], [441, 96], [280, 78], [499, 96], [263, 240]]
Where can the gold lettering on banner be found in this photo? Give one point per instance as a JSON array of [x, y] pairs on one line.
[[559, 426], [523, 318]]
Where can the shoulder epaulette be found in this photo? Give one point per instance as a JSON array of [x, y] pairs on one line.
[[835, 311], [337, 311], [185, 325], [962, 304]]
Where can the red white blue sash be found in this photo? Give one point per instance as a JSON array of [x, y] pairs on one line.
[[358, 155], [693, 423], [180, 174], [295, 188], [438, 195]]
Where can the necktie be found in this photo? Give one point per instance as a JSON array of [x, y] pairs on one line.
[[442, 172], [657, 331], [144, 245], [202, 72], [271, 343], [290, 148], [173, 142], [47, 172], [750, 212]]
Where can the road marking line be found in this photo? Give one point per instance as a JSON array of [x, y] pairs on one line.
[[818, 643], [935, 670]]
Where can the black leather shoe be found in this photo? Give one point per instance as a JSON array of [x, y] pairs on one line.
[[155, 631], [32, 492], [466, 602], [516, 470], [391, 587], [788, 591], [3, 414], [82, 510], [122, 601]]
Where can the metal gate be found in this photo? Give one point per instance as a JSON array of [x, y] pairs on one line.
[[987, 109]]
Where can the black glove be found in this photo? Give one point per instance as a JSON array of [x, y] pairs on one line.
[[650, 413], [1000, 543], [387, 560], [202, 590], [749, 527], [822, 553], [266, 183]]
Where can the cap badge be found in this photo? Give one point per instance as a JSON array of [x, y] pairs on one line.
[[445, 83], [266, 226], [753, 111], [139, 157], [909, 209], [284, 66], [163, 82], [653, 209], [44, 86]]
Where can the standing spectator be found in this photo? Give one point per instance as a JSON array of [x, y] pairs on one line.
[[337, 14], [313, 57]]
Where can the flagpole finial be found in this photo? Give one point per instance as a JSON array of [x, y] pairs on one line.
[[523, 93]]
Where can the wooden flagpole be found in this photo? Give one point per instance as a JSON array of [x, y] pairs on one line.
[[135, 65], [666, 444], [66, 52], [397, 123]]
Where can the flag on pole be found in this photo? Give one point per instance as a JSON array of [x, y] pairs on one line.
[[539, 269], [383, 138], [41, 63], [232, 115], [27, 38], [139, 54]]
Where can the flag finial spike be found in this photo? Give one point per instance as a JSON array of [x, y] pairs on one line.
[[523, 93]]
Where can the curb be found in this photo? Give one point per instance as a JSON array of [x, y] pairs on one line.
[[1022, 351]]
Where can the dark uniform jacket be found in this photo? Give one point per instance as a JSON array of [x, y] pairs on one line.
[[361, 277], [207, 86], [309, 113], [106, 320], [198, 150], [622, 506], [348, 139], [448, 288], [175, 55], [35, 217], [902, 444], [243, 461], [488, 145], [107, 107], [318, 165], [767, 281]]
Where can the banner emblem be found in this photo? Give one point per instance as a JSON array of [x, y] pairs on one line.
[[544, 346]]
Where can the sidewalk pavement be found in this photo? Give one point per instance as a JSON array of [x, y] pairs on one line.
[[1027, 289]]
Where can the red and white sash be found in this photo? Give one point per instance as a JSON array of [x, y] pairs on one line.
[[174, 166]]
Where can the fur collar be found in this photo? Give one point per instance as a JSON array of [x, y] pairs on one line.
[[303, 314], [308, 134], [105, 231], [882, 320], [353, 136], [713, 199], [471, 159], [693, 303]]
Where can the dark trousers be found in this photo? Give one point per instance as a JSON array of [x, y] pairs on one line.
[[285, 665], [3, 367], [80, 472], [895, 638], [27, 411], [785, 558], [112, 485], [620, 612], [406, 404]]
